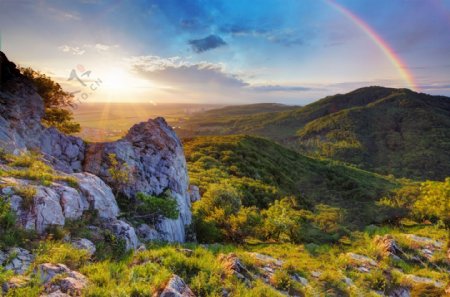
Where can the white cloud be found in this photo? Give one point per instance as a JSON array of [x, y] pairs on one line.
[[74, 50], [80, 50]]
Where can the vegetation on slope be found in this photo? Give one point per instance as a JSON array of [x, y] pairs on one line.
[[389, 131], [405, 134], [240, 173]]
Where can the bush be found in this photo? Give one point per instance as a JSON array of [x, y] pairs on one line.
[[152, 209]]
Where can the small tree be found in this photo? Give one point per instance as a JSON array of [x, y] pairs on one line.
[[152, 209], [56, 102], [120, 172]]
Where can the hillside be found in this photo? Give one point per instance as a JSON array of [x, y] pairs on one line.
[[389, 131], [265, 171]]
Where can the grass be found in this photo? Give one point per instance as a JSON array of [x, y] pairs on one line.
[[30, 166], [144, 273]]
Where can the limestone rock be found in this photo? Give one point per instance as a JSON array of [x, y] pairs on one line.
[[21, 111], [84, 244], [98, 194], [147, 233], [15, 282], [360, 262], [155, 157], [123, 230], [71, 282], [54, 204], [194, 193], [176, 287], [233, 266], [387, 245], [19, 260]]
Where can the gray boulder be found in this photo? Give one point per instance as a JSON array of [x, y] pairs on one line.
[[84, 244], [123, 230], [176, 287], [54, 204], [19, 260]]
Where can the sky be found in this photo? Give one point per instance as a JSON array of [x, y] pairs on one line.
[[230, 51]]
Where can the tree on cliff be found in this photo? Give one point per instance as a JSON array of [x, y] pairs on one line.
[[56, 102]]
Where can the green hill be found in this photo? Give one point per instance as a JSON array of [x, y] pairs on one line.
[[389, 131], [264, 171]]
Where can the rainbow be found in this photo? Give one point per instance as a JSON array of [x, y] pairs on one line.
[[380, 42]]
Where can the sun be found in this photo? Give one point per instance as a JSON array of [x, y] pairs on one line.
[[117, 79]]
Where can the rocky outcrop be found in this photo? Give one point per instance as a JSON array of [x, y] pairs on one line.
[[194, 193], [151, 149], [147, 233], [124, 231], [59, 278], [21, 111], [155, 158], [176, 287], [387, 245], [54, 204], [16, 259]]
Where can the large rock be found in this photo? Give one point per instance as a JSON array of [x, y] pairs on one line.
[[16, 259], [21, 111], [147, 233], [54, 204], [58, 278], [387, 245], [154, 155], [124, 231], [98, 194], [176, 287], [84, 244]]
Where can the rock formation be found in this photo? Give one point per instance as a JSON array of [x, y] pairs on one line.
[[151, 149], [156, 160]]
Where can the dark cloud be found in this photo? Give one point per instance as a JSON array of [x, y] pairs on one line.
[[207, 43]]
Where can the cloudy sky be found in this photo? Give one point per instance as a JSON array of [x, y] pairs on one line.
[[230, 51]]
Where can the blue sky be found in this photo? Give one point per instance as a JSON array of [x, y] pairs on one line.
[[228, 51]]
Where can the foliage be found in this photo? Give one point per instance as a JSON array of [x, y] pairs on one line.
[[427, 200], [152, 209], [434, 201], [219, 215], [120, 172], [10, 235], [56, 102], [27, 194], [30, 166], [389, 131], [235, 174]]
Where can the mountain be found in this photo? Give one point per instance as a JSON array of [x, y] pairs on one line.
[[386, 130], [265, 171]]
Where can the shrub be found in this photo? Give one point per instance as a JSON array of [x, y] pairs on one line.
[[120, 172], [27, 192]]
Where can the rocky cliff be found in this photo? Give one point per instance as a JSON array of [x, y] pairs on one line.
[[151, 149], [156, 160]]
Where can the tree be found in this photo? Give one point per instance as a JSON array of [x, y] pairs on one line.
[[56, 102], [219, 215], [152, 209], [281, 220], [434, 201], [120, 172]]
